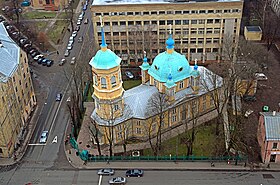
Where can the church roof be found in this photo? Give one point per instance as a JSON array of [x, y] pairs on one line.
[[173, 63], [105, 60]]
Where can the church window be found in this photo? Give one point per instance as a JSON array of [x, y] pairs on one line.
[[95, 80], [116, 107], [138, 123], [103, 83], [174, 118], [155, 82], [113, 81], [203, 106], [181, 84], [174, 111], [138, 131]]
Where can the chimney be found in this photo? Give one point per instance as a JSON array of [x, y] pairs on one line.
[[274, 113]]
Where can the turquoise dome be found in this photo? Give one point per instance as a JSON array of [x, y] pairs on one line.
[[105, 60], [173, 63]]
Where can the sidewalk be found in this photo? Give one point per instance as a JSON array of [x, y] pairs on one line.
[[77, 163]]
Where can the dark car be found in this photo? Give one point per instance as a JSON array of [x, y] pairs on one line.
[[249, 98], [44, 62], [39, 61], [49, 63], [35, 53], [58, 97], [134, 173]]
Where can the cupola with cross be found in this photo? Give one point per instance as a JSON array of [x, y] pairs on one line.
[[107, 81]]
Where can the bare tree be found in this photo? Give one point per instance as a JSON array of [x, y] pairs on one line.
[[70, 13], [157, 107], [95, 132]]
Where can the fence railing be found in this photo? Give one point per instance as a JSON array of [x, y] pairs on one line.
[[166, 158]]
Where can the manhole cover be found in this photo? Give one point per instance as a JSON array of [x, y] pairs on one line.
[[268, 176]]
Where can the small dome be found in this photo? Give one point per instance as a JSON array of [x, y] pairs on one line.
[[170, 42], [105, 60], [165, 64]]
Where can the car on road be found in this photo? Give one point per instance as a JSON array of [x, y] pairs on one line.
[[260, 76], [39, 61], [62, 62], [134, 173], [38, 56], [44, 62], [248, 113], [106, 171], [67, 53], [71, 39], [58, 97], [80, 40], [73, 61], [117, 180], [78, 22], [74, 34], [44, 136], [129, 74]]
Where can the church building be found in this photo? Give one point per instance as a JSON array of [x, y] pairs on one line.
[[172, 93]]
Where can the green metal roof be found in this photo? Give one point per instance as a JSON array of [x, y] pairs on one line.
[[173, 63], [105, 60]]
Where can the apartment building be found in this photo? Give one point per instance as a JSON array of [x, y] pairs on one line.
[[17, 98], [198, 27]]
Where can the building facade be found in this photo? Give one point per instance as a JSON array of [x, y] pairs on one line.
[[199, 28], [17, 97], [51, 5], [172, 93], [269, 136]]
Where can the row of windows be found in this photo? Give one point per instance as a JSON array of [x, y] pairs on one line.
[[104, 81], [163, 22], [170, 12]]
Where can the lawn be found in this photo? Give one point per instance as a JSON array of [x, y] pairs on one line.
[[57, 30], [204, 144], [41, 25], [128, 84], [39, 15]]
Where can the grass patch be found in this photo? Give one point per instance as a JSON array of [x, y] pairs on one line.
[[128, 84], [39, 15], [204, 144], [57, 30], [41, 25], [62, 15]]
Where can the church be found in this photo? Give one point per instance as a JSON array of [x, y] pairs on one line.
[[172, 93]]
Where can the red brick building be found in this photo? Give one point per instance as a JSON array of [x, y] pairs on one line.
[[269, 136]]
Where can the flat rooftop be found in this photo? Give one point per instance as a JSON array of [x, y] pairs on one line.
[[253, 28], [114, 2]]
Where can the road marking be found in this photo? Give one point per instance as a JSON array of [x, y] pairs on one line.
[[54, 139], [100, 180], [36, 144]]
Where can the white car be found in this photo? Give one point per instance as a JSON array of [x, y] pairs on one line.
[[117, 180], [69, 47], [73, 60], [71, 39], [71, 42], [78, 22], [81, 16], [74, 34], [129, 74], [260, 76], [44, 136], [38, 56], [67, 53], [248, 113], [107, 171]]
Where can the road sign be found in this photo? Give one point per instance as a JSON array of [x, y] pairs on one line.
[[54, 139]]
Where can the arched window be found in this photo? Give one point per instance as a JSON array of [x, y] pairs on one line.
[[103, 83], [113, 81], [95, 80]]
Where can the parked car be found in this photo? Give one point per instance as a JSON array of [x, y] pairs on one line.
[[134, 173], [58, 97], [77, 28], [249, 98], [35, 53], [62, 62], [73, 60], [106, 171], [49, 63], [117, 180], [71, 39], [39, 61], [67, 53], [74, 34], [69, 46], [38, 56], [248, 113], [129, 74], [81, 16], [78, 22], [260, 76], [44, 136], [70, 42], [86, 21], [22, 41], [44, 62], [32, 50], [80, 40]]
